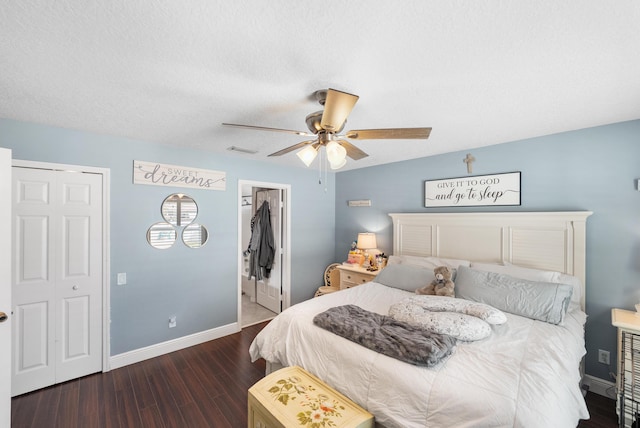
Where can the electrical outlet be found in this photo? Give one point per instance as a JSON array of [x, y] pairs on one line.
[[603, 356], [172, 321]]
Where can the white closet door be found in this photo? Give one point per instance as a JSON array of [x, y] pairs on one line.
[[57, 278], [269, 290], [79, 277]]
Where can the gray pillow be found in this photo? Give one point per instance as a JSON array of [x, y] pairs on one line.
[[405, 277], [544, 301]]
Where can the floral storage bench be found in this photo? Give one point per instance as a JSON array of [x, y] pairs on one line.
[[291, 397]]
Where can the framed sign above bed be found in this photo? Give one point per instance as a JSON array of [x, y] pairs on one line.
[[474, 191]]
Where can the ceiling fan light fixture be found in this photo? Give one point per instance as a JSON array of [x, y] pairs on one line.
[[327, 124], [308, 154], [338, 165], [336, 154]]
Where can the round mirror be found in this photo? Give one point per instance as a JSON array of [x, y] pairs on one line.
[[161, 235], [179, 209], [195, 235]]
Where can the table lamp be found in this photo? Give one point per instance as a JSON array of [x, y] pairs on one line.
[[366, 241]]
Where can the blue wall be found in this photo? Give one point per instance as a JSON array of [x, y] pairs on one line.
[[199, 286], [592, 169]]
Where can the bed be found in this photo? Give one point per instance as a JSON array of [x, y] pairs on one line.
[[526, 373]]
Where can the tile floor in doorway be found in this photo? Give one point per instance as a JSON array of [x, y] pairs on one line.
[[253, 313]]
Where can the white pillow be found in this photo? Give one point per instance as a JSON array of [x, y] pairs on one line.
[[394, 260], [429, 262], [575, 282]]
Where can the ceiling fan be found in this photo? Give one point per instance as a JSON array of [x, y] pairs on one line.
[[326, 125]]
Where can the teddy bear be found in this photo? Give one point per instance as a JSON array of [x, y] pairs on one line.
[[442, 285]]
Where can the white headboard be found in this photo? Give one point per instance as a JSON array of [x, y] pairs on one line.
[[542, 240]]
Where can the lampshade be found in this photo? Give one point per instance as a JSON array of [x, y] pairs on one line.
[[366, 241], [336, 154], [308, 154], [338, 165]]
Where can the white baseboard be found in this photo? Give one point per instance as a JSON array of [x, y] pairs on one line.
[[600, 386], [137, 355]]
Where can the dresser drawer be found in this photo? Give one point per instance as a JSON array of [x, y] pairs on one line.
[[350, 279]]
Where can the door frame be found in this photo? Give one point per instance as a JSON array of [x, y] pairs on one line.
[[6, 288], [286, 241], [106, 254]]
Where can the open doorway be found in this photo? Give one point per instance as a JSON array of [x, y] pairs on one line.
[[261, 298]]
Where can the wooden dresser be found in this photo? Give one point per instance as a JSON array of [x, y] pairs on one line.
[[292, 397]]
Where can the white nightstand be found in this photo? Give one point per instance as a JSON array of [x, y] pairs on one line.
[[628, 397], [350, 276]]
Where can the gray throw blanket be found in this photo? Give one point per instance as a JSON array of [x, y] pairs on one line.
[[385, 335]]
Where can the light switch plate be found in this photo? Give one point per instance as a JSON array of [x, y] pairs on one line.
[[122, 278]]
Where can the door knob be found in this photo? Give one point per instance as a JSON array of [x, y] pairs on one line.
[[75, 287], [3, 317]]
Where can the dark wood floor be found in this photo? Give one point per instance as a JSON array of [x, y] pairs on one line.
[[201, 386], [198, 387], [602, 411]]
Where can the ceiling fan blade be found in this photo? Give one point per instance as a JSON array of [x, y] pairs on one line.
[[389, 134], [337, 107], [263, 128], [292, 148], [352, 151]]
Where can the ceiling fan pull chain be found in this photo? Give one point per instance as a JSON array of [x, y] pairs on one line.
[[320, 166], [326, 173]]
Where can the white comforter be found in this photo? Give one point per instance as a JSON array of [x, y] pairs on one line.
[[526, 374]]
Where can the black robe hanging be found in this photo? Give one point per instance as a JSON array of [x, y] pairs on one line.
[[261, 245]]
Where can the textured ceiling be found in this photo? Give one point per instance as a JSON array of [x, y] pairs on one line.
[[478, 72]]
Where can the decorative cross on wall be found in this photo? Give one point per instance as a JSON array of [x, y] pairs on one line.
[[469, 161]]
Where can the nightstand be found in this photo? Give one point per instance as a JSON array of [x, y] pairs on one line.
[[350, 276], [628, 395]]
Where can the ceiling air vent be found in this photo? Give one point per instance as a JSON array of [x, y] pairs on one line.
[[241, 150]]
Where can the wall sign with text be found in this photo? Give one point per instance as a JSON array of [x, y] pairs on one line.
[[158, 174], [478, 190]]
